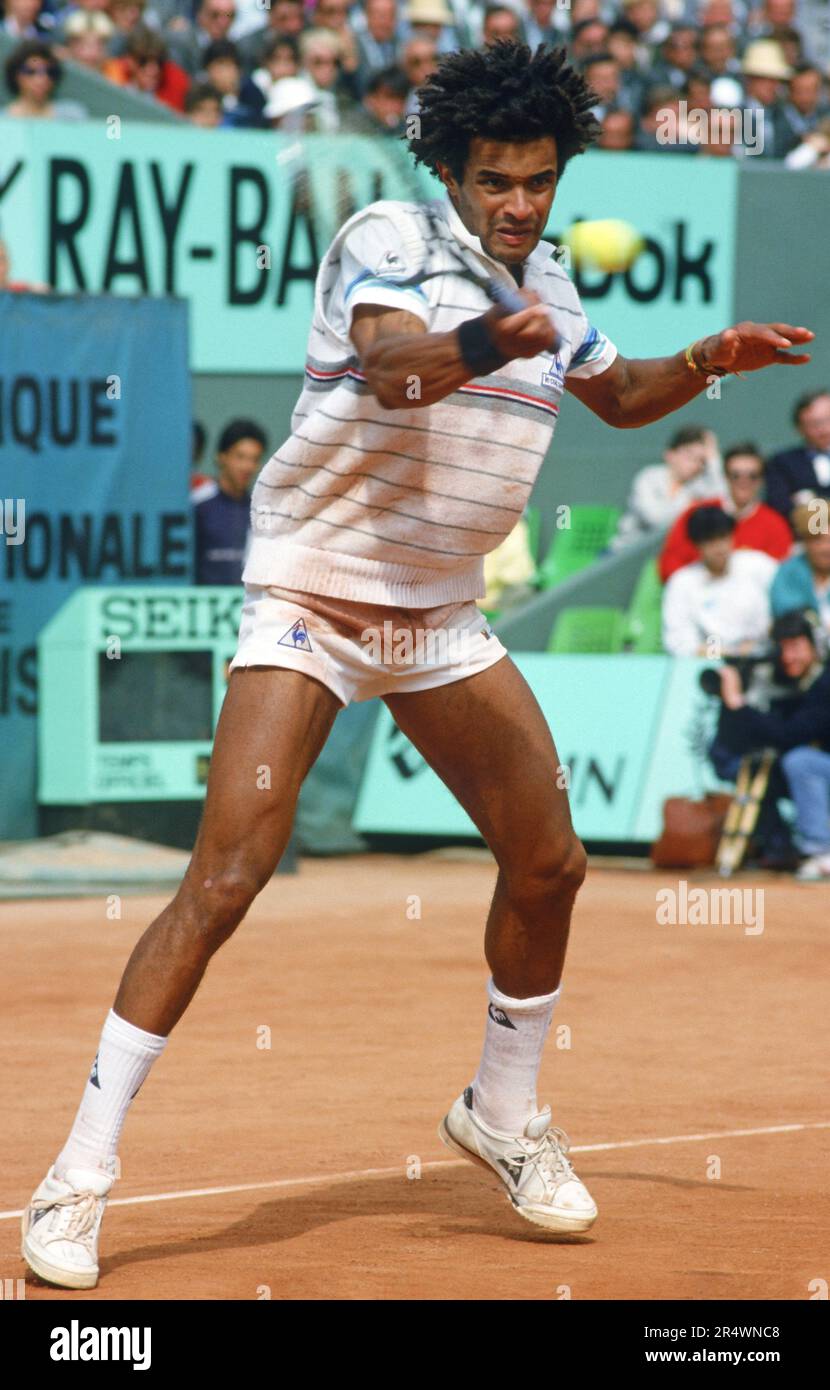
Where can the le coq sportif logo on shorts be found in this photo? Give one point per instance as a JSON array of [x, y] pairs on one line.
[[297, 637]]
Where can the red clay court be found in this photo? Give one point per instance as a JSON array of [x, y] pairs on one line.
[[251, 1172]]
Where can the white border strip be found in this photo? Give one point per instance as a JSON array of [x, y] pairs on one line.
[[356, 1174]]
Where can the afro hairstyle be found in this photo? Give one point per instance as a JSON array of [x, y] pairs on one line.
[[505, 93]]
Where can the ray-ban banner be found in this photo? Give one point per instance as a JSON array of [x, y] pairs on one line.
[[236, 221], [94, 469]]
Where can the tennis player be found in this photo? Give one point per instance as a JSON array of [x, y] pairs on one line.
[[424, 418]]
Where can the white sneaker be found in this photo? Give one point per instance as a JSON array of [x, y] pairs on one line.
[[815, 869], [61, 1225], [534, 1167]]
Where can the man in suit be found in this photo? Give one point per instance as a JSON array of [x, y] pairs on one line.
[[212, 23], [805, 104], [285, 19], [377, 40], [794, 476]]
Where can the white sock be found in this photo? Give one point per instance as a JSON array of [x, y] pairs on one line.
[[125, 1056], [504, 1089]]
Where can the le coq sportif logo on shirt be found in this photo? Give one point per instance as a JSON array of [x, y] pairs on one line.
[[391, 261], [554, 374]]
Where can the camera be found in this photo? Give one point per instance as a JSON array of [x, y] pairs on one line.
[[746, 666]]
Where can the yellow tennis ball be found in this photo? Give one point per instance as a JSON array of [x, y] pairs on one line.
[[610, 244]]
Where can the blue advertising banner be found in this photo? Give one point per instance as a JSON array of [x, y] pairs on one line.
[[94, 472]]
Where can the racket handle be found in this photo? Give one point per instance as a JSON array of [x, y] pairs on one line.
[[511, 301]]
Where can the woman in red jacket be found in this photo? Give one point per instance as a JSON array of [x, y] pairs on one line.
[[757, 526], [146, 67]]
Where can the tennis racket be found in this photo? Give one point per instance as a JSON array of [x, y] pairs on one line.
[[462, 265], [458, 260], [414, 181], [326, 185]]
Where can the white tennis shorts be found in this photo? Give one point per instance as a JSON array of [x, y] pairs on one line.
[[360, 650]]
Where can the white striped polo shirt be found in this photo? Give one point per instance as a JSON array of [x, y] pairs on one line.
[[400, 506]]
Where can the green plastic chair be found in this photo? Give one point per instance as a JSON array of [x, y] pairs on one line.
[[577, 547], [644, 619], [588, 630]]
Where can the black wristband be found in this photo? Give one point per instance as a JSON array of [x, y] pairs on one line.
[[477, 348]]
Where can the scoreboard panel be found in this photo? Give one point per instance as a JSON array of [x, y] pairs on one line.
[[131, 684]]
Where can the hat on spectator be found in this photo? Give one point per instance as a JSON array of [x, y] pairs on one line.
[[428, 12], [287, 95], [764, 58]]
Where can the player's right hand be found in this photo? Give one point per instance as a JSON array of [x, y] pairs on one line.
[[525, 334]]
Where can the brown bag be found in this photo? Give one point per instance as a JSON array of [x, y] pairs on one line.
[[691, 831]]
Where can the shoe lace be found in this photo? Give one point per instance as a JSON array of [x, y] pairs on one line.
[[77, 1219], [551, 1157]]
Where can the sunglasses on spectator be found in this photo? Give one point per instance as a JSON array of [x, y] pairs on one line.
[[753, 474], [39, 69]]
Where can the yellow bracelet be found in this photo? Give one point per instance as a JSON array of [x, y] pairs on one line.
[[695, 366], [690, 361]]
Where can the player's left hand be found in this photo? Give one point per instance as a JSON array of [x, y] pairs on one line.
[[749, 346]]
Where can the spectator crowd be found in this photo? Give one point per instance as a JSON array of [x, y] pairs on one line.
[[747, 540], [666, 73], [745, 562]]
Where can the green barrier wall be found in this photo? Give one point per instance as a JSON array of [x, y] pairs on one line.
[[630, 733]]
